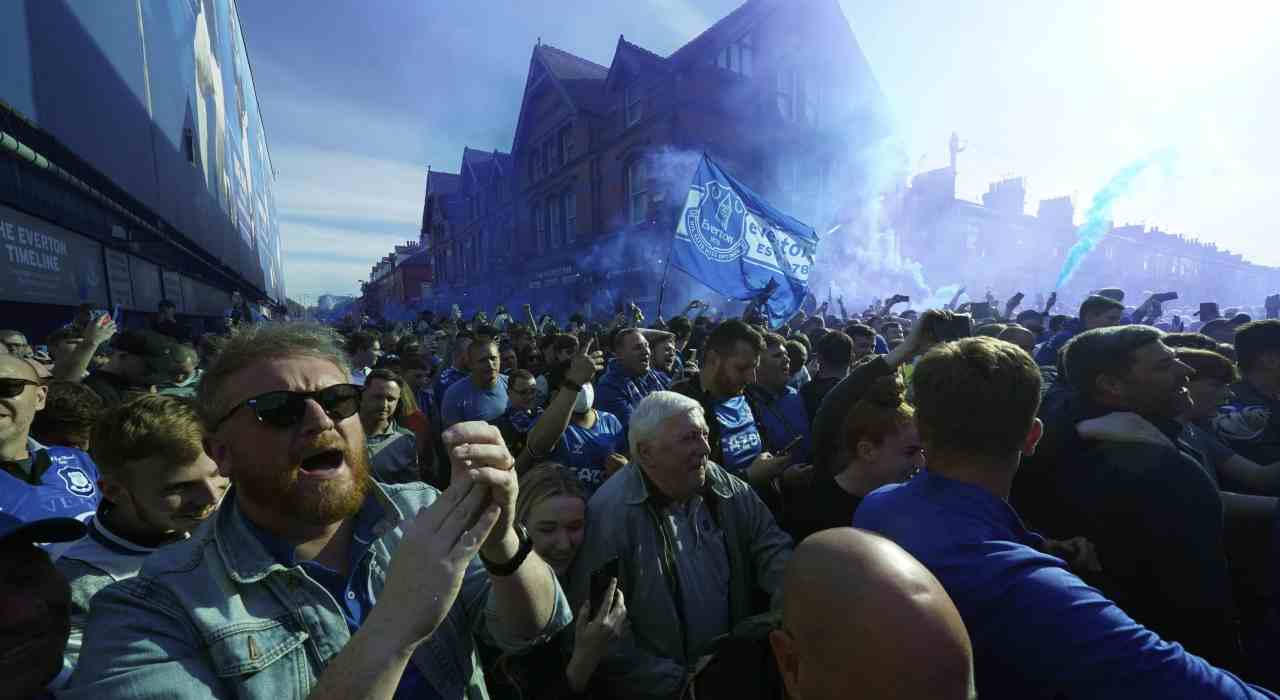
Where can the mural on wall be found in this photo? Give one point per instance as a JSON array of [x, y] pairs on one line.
[[168, 78]]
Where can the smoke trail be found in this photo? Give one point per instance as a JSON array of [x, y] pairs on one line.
[[1098, 218]]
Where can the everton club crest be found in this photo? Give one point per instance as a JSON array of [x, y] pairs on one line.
[[717, 225]]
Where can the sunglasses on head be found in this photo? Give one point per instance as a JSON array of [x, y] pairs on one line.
[[283, 409], [10, 387]]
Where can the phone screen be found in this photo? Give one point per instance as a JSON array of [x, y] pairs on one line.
[[600, 582]]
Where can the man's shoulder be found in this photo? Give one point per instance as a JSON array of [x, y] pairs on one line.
[[691, 387]]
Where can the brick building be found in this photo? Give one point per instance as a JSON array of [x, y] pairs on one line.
[[997, 245], [583, 209]]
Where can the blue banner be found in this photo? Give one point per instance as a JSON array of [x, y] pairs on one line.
[[734, 242]]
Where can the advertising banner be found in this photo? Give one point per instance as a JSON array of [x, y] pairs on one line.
[[173, 289], [119, 281], [146, 284], [46, 264]]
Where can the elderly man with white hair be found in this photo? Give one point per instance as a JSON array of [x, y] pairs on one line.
[[693, 545]]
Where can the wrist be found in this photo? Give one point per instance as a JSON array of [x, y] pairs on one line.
[[579, 670]]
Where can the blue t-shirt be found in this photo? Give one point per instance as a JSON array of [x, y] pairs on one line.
[[465, 401], [584, 450], [66, 485], [739, 438], [446, 379]]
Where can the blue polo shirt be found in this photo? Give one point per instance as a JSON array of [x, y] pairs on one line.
[[53, 482], [584, 450], [1038, 631], [351, 591]]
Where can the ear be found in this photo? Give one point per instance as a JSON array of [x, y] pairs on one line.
[[42, 393], [784, 652], [643, 451], [219, 450], [1033, 438], [866, 450], [1107, 385], [113, 490]]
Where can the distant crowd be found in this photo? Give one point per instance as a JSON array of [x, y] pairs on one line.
[[978, 500]]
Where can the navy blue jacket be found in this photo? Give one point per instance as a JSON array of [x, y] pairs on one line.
[[1037, 630]]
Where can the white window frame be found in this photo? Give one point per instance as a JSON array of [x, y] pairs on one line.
[[637, 211], [569, 201], [555, 222], [539, 243], [633, 105]]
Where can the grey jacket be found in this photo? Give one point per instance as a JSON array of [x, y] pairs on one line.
[[623, 520], [217, 617]]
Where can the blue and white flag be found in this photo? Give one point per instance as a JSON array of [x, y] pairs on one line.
[[734, 242]]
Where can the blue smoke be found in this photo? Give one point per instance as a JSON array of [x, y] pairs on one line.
[[1098, 219]]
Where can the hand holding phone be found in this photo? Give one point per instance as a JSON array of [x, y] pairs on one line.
[[601, 578]]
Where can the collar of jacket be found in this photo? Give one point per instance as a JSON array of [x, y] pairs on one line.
[[638, 487], [1128, 427], [248, 561]]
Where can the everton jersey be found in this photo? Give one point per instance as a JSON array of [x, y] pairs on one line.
[[739, 437], [62, 483], [583, 450]]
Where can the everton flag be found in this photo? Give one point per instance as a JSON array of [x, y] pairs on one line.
[[734, 242]]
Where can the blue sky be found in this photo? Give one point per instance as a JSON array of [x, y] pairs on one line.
[[360, 97]]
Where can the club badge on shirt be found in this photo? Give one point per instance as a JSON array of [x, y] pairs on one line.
[[76, 480]]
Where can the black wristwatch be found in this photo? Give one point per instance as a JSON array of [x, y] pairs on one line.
[[522, 553]]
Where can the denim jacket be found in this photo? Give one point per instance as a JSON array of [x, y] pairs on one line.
[[217, 617], [623, 521]]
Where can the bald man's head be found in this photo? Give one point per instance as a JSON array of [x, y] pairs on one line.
[[21, 395], [863, 619]]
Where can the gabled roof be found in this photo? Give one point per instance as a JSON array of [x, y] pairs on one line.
[[580, 82], [727, 30], [566, 66], [630, 59], [441, 182], [486, 166], [442, 185]]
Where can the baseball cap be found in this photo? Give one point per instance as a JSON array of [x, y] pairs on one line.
[[13, 528]]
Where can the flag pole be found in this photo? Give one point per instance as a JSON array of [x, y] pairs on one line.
[[666, 269]]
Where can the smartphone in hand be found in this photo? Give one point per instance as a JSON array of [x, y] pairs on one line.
[[600, 578]]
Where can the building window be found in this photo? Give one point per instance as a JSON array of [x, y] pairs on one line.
[[539, 167], [638, 190], [799, 96], [539, 228], [634, 104], [738, 57], [570, 205], [556, 223], [548, 158], [566, 144]]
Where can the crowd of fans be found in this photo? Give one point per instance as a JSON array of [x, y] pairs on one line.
[[965, 502]]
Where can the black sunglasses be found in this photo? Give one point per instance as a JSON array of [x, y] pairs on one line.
[[283, 409], [10, 388]]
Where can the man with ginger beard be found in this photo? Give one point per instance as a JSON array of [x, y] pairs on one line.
[[861, 618], [313, 580]]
